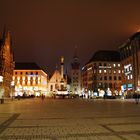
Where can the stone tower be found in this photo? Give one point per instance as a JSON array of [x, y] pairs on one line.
[[6, 62], [75, 74]]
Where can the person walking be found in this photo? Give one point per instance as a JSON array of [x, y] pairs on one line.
[[42, 97], [136, 97]]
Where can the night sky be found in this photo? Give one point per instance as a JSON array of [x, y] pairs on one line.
[[44, 30]]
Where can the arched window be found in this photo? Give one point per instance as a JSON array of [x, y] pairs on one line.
[[51, 87]]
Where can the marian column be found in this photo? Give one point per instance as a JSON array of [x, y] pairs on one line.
[[62, 67]]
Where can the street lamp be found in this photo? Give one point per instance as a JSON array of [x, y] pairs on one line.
[[12, 87], [1, 90]]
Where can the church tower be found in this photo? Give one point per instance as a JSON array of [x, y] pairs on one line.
[[75, 74], [6, 62]]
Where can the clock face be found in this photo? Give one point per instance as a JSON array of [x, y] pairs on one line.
[[62, 59]]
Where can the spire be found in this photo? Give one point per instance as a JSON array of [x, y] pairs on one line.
[[56, 67], [75, 52], [75, 57], [4, 32]]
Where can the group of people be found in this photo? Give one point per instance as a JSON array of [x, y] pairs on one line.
[[42, 97]]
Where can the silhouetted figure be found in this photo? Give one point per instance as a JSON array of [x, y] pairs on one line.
[[42, 97], [137, 98], [18, 97]]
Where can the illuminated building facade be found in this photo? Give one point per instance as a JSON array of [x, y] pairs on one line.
[[29, 79], [103, 71], [58, 83], [6, 63], [130, 59], [75, 75]]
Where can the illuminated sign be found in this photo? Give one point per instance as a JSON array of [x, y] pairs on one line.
[[127, 66], [1, 78], [105, 67], [128, 69]]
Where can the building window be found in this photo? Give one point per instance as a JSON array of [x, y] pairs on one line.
[[131, 77], [110, 85], [20, 73], [109, 71], [36, 73], [120, 78], [94, 77], [100, 78], [114, 65], [104, 71], [15, 73], [105, 77], [110, 77], [115, 78], [100, 71], [31, 73], [114, 71], [119, 65], [26, 73], [119, 71]]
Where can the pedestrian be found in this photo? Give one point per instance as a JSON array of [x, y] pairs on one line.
[[137, 97], [42, 97]]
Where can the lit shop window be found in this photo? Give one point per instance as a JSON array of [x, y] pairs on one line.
[[119, 71], [104, 71], [114, 71], [128, 77], [18, 78], [100, 71]]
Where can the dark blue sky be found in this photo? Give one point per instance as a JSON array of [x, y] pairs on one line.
[[43, 30]]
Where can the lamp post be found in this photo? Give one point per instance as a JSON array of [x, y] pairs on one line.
[[12, 87], [1, 90]]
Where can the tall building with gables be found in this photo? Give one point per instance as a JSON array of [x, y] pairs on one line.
[[130, 59], [6, 63], [75, 75]]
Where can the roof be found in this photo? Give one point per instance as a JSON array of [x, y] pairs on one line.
[[26, 66], [106, 55], [137, 34]]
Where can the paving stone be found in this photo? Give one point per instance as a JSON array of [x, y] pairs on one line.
[[131, 137], [71, 119]]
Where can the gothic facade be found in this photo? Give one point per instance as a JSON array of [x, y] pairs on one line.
[[6, 62]]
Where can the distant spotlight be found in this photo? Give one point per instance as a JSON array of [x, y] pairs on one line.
[[138, 30]]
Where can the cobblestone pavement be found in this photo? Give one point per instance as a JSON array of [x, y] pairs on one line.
[[69, 119]]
